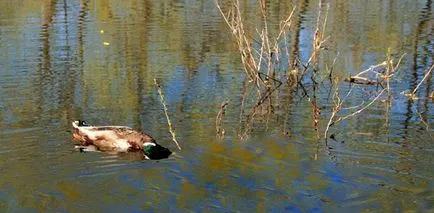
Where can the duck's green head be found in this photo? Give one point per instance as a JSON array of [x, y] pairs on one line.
[[155, 152]]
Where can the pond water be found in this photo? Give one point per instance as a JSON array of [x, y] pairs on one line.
[[97, 59]]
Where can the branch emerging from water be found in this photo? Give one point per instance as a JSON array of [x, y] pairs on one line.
[[413, 94], [218, 121], [160, 92]]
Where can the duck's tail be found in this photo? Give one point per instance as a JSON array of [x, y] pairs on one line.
[[79, 123], [75, 124], [80, 131]]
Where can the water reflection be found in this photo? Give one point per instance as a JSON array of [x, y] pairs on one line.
[[96, 60]]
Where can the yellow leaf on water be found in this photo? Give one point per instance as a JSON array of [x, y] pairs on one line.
[[102, 31], [106, 43]]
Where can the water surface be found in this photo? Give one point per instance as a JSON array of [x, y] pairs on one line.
[[96, 60]]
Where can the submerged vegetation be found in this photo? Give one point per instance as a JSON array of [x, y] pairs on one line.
[[272, 65]]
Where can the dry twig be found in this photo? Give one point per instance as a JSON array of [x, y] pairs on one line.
[[218, 120], [160, 92], [413, 93]]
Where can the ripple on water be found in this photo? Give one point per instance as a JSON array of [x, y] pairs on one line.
[[19, 140]]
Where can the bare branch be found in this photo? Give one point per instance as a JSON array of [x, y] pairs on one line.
[[160, 92]]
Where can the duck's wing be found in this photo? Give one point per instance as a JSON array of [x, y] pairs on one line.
[[76, 125], [105, 138], [111, 128], [114, 129], [120, 131]]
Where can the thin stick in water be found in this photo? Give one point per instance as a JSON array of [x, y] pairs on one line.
[[160, 92], [413, 94], [218, 121]]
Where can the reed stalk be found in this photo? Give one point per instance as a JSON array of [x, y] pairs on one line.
[[259, 60], [218, 120], [169, 123], [413, 93], [259, 56]]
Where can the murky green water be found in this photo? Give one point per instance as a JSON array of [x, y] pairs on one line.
[[96, 60]]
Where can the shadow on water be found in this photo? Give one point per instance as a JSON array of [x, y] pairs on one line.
[[95, 59]]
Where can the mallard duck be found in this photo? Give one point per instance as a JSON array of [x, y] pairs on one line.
[[118, 139]]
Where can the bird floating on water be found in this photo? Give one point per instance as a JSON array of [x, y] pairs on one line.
[[117, 139]]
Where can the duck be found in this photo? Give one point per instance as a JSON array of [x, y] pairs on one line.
[[117, 139]]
